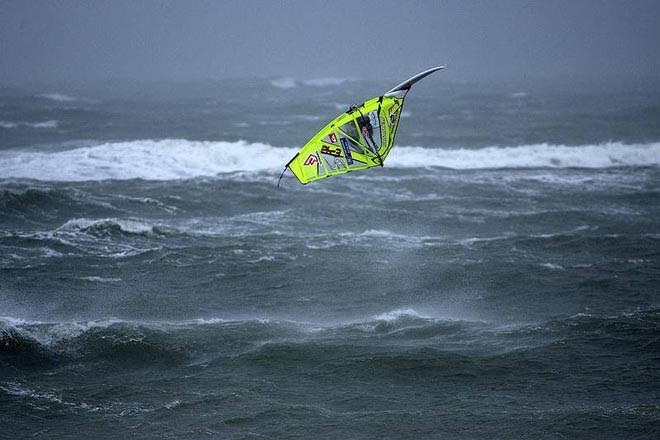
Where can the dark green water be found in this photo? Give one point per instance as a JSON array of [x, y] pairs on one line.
[[498, 278]]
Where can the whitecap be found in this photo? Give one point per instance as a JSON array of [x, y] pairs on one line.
[[606, 155], [59, 97], [552, 266], [172, 159], [167, 159], [131, 226], [45, 124], [283, 83], [398, 314], [324, 82], [7, 124], [96, 279]]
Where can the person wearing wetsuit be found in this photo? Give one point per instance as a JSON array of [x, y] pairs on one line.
[[368, 132]]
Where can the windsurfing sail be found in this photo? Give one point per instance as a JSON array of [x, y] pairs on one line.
[[360, 138]]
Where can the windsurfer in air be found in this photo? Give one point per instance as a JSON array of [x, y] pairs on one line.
[[355, 132]]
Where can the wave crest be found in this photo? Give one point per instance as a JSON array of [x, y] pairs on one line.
[[111, 340], [29, 198], [607, 155], [171, 159], [58, 97], [167, 159], [110, 226], [45, 124]]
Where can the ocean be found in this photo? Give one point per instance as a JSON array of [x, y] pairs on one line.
[[498, 278]]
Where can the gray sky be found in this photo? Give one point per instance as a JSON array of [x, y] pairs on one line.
[[181, 40]]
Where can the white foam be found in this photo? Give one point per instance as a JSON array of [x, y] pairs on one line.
[[100, 279], [49, 334], [262, 259], [552, 266], [19, 390], [611, 154], [170, 159], [309, 118], [283, 83], [399, 314], [206, 321], [146, 201], [324, 82], [126, 225], [289, 83], [379, 233], [59, 97], [167, 159], [173, 404], [46, 124]]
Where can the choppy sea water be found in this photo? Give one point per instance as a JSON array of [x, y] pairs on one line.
[[498, 278]]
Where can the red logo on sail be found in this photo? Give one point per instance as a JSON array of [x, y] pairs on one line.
[[333, 138], [311, 160]]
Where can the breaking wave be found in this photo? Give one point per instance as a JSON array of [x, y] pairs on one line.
[[21, 200], [290, 83], [45, 124], [58, 97], [324, 82], [110, 226], [283, 83], [171, 159], [167, 159], [171, 341], [607, 155]]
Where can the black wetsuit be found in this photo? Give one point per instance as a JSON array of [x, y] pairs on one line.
[[365, 122]]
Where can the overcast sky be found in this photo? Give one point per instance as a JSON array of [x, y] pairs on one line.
[[182, 40]]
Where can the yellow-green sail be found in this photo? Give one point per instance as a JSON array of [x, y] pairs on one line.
[[358, 139]]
